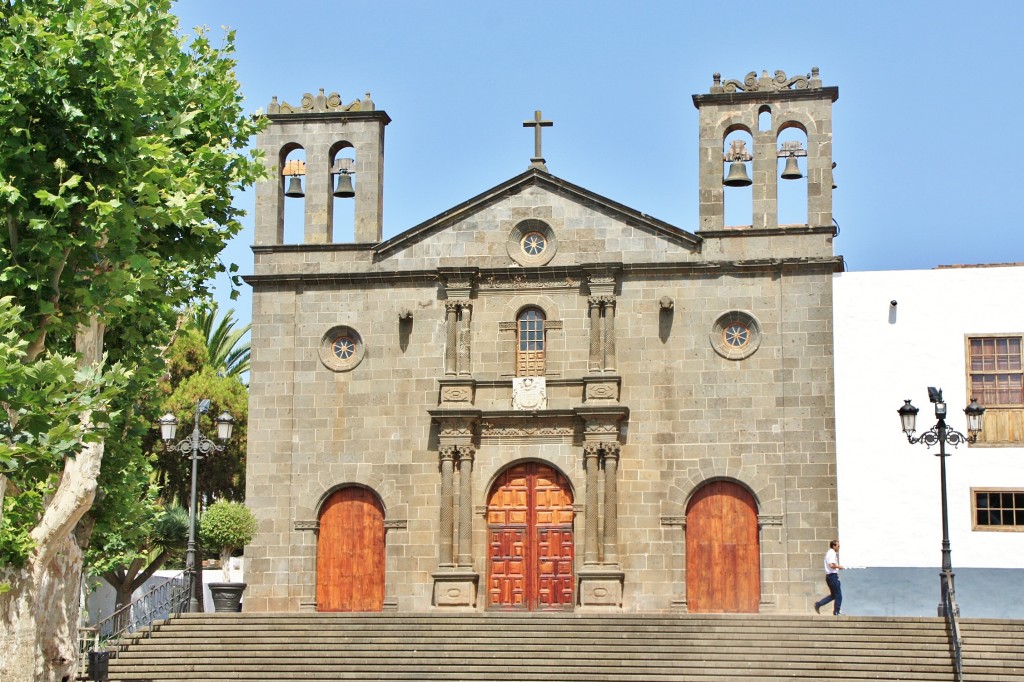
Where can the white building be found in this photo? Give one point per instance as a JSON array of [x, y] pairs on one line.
[[896, 333]]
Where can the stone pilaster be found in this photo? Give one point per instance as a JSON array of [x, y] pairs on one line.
[[447, 504], [465, 558], [611, 504]]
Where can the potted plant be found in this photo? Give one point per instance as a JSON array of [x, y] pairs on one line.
[[226, 526]]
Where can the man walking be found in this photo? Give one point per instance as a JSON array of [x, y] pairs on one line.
[[835, 591]]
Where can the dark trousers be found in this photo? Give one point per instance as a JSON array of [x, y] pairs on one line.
[[835, 593]]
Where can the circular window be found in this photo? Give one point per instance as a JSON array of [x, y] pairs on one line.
[[735, 335], [534, 244], [531, 243], [341, 349]]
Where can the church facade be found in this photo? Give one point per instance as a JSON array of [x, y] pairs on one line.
[[543, 399]]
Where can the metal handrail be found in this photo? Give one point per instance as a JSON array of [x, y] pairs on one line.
[[169, 598], [956, 641]]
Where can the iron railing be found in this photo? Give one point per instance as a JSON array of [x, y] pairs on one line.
[[953, 624], [169, 598]]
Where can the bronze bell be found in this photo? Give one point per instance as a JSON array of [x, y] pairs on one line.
[[792, 170], [343, 189], [737, 175], [294, 188]]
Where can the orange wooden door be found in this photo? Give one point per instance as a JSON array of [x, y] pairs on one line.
[[350, 552], [530, 540], [723, 555]]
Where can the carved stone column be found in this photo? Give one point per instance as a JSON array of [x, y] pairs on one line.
[[447, 504], [309, 533], [590, 511], [455, 582], [595, 334], [465, 559], [609, 334], [611, 504], [451, 310], [465, 337]]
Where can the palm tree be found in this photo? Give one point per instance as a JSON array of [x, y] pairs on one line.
[[228, 353]]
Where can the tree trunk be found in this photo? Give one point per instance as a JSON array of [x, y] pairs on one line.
[[39, 615], [39, 619]]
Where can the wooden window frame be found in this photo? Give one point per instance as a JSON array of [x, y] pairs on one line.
[[998, 528], [1004, 424], [531, 362]]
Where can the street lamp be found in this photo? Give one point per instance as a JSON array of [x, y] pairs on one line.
[[192, 446], [942, 434]]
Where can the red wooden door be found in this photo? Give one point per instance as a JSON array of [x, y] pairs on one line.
[[350, 552], [530, 541], [723, 555]]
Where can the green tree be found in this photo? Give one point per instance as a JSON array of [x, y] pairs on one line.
[[159, 537], [192, 377], [228, 353], [225, 527], [122, 145]]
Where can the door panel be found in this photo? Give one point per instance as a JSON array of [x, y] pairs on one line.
[[350, 552], [530, 548], [723, 569]]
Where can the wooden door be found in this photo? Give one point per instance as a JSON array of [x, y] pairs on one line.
[[723, 555], [350, 552], [530, 540]]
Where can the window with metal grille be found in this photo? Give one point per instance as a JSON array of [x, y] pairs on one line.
[[998, 510], [530, 343], [997, 375]]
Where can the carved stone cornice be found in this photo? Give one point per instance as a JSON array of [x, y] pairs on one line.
[[305, 525], [396, 524], [319, 103], [601, 423], [459, 283], [457, 427]]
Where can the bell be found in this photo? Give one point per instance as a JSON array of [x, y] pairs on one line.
[[737, 175], [792, 170], [343, 189], [294, 188]]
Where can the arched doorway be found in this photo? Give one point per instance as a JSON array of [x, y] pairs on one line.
[[350, 552], [529, 540], [723, 554]]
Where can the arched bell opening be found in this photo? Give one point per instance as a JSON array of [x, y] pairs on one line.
[[737, 157], [764, 119], [791, 149], [293, 184], [342, 206]]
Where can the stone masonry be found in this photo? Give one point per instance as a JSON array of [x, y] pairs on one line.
[[671, 359]]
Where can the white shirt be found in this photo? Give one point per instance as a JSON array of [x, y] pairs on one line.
[[831, 557]]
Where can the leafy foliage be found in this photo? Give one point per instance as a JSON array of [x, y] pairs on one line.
[[45, 405], [123, 143], [227, 526], [227, 352]]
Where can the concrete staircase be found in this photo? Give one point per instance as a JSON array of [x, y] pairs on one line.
[[623, 648]]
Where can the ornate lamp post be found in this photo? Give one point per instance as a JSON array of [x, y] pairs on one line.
[[942, 434], [192, 446]]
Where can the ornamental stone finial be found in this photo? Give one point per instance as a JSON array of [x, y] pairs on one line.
[[766, 83]]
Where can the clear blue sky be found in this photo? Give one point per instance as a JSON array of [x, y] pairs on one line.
[[926, 133]]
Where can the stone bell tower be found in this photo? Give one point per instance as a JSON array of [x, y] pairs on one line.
[[323, 128], [763, 108]]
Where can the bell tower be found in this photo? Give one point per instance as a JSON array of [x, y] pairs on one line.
[[343, 146], [763, 108]]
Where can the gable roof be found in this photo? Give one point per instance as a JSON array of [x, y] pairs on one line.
[[539, 178]]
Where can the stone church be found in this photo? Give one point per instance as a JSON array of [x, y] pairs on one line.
[[542, 398]]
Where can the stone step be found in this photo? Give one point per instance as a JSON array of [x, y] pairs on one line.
[[570, 648]]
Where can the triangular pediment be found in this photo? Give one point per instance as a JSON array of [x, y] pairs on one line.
[[486, 230]]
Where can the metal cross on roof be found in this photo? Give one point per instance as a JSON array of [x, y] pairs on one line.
[[537, 123]]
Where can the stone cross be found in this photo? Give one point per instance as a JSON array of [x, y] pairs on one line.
[[537, 123]]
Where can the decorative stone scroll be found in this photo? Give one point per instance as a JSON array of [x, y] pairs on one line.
[[751, 82], [319, 103]]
